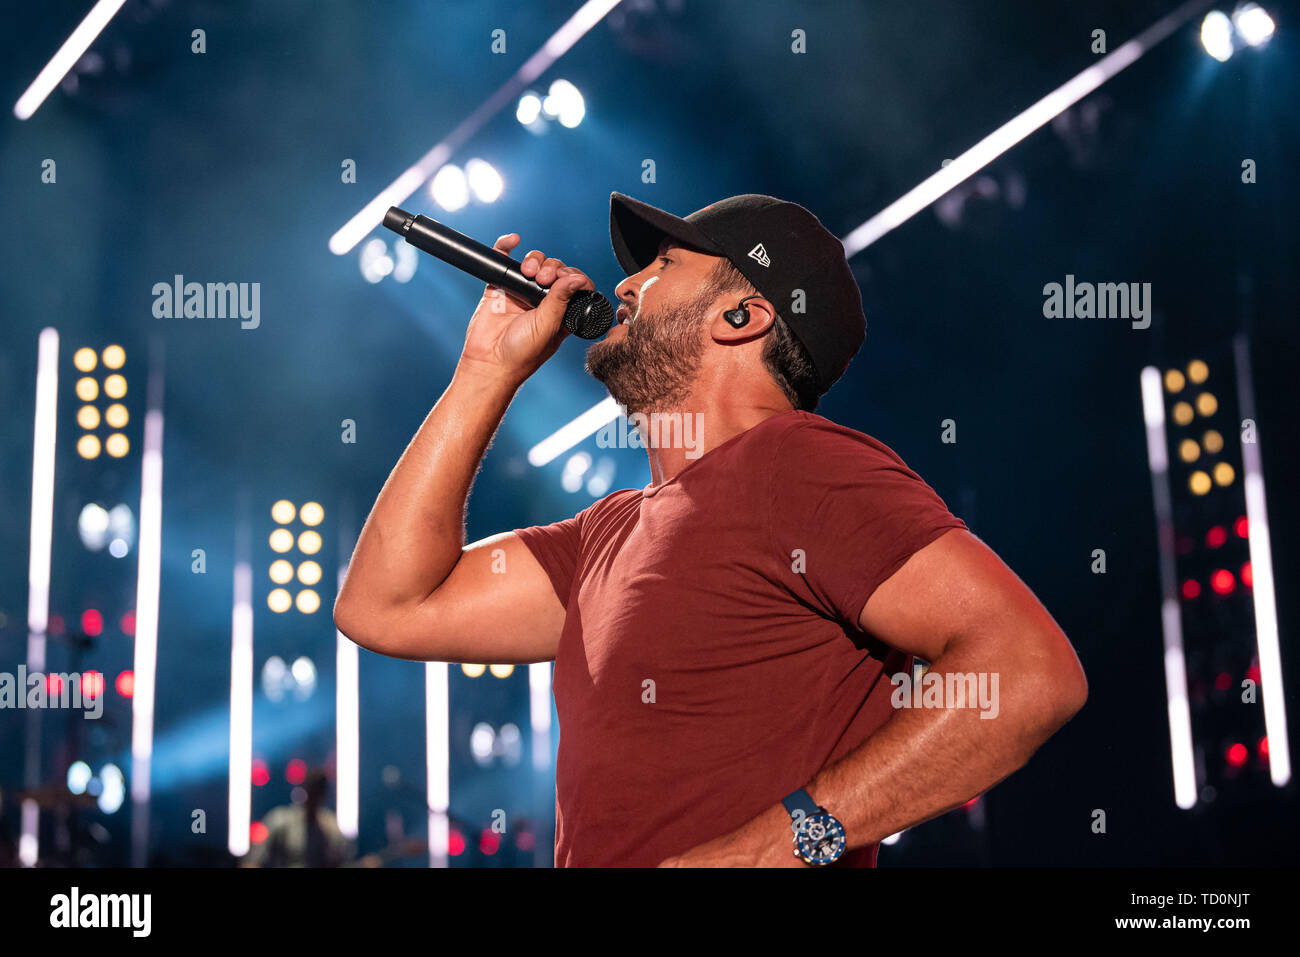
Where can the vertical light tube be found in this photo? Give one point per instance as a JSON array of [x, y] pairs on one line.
[[148, 577], [1180, 715], [1262, 586], [241, 712], [38, 570], [437, 758], [347, 756]]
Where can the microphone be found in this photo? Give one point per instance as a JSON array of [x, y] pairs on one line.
[[588, 316]]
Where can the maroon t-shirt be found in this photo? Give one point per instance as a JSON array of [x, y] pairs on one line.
[[711, 660]]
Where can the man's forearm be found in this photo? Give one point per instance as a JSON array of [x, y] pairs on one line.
[[924, 761], [416, 529]]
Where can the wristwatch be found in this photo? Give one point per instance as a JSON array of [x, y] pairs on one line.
[[818, 837]]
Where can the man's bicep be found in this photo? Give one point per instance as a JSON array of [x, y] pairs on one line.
[[497, 606], [955, 587]]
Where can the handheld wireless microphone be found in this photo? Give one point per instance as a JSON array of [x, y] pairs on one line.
[[588, 316]]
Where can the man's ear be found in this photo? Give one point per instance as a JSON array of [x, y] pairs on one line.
[[761, 316]]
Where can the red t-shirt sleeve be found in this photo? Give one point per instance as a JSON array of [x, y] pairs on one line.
[[556, 548], [853, 510]]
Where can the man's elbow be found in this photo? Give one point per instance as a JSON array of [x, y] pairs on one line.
[[1070, 686]]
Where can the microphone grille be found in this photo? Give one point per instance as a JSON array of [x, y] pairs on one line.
[[589, 314]]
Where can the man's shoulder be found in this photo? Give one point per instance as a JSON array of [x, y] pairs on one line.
[[806, 440]]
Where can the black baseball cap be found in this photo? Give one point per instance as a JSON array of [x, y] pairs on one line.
[[779, 246]]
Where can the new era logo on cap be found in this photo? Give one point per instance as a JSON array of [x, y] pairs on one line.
[[759, 255]]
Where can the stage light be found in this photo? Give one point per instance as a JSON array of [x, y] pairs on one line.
[[1191, 589], [488, 843], [1188, 450], [1213, 442], [282, 512], [1224, 473], [530, 106], [1241, 527], [115, 386], [92, 526], [92, 684], [455, 844], [309, 542], [79, 776], [118, 548], [53, 685], [309, 573], [114, 357], [84, 359], [275, 675], [375, 262], [1223, 681], [603, 477], [92, 622], [125, 684], [311, 513], [279, 600], [308, 602], [510, 744], [258, 832], [449, 188], [565, 103], [281, 540], [88, 417], [127, 623], [77, 43], [281, 571], [116, 416], [1216, 35], [1207, 404], [481, 741], [406, 260], [1216, 536], [1254, 26], [473, 671], [484, 180], [87, 389], [261, 776], [296, 771], [1247, 578], [1198, 371], [1237, 755], [1174, 381], [303, 670], [1183, 413], [113, 788], [1222, 582], [117, 445], [501, 671], [574, 469], [1199, 482]]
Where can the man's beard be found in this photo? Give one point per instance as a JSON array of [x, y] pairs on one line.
[[652, 366]]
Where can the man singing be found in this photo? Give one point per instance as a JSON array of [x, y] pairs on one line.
[[724, 638]]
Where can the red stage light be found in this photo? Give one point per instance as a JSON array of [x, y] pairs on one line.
[[1263, 747], [53, 684], [261, 776], [1241, 527], [126, 684], [56, 625], [92, 622], [257, 832], [1191, 588], [1253, 673], [455, 844], [488, 842], [1216, 536], [1247, 578], [1237, 755], [1222, 581], [296, 772], [92, 684], [128, 623], [1223, 682], [525, 841]]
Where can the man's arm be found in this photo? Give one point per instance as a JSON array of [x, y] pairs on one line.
[[412, 589], [955, 604]]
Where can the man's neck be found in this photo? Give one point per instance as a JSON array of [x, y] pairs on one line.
[[676, 436]]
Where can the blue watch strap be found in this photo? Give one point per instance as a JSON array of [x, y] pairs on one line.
[[800, 800]]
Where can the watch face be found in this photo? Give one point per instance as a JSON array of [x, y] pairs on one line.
[[820, 839]]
